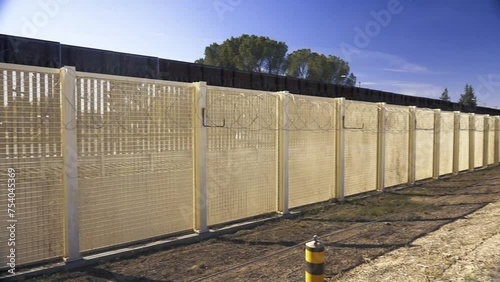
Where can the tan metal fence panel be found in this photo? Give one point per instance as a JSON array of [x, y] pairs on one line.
[[30, 143], [446, 143], [478, 140], [361, 127], [424, 147], [491, 140], [397, 145], [135, 155], [242, 153], [135, 164], [463, 163], [311, 150]]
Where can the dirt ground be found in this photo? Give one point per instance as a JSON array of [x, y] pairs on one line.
[[405, 232], [465, 250]]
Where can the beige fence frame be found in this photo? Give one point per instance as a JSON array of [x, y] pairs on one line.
[[70, 165], [382, 113], [497, 140], [200, 159], [472, 141], [283, 154], [486, 140], [456, 142], [200, 202], [339, 150]]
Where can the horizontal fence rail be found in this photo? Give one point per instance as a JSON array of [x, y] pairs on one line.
[[103, 161]]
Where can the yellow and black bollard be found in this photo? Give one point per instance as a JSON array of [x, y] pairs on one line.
[[315, 261]]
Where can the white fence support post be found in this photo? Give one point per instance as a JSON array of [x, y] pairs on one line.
[[472, 139], [497, 140], [436, 146], [381, 146], [200, 158], [456, 141], [70, 165], [283, 144], [412, 154], [486, 141], [339, 148]]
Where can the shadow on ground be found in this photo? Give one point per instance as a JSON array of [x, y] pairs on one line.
[[354, 232]]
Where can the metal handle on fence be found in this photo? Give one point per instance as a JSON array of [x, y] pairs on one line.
[[422, 128], [204, 119], [345, 127]]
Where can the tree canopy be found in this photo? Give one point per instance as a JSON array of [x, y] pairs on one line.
[[444, 96], [264, 55], [468, 99], [247, 53]]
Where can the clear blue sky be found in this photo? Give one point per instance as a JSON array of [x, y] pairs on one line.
[[422, 48]]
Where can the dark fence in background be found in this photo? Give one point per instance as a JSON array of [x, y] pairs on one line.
[[26, 51]]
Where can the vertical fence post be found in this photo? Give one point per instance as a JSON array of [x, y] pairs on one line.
[[339, 148], [497, 140], [486, 136], [200, 150], [472, 136], [70, 165], [412, 151], [456, 141], [381, 146], [283, 143], [436, 145]]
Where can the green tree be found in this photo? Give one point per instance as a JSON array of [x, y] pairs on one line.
[[276, 62], [444, 96], [297, 63], [468, 99], [305, 64], [212, 55], [330, 69], [350, 80], [262, 54], [248, 53]]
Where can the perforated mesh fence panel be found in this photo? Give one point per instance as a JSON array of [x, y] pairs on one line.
[[136, 141], [311, 149], [360, 125], [446, 143], [397, 145], [135, 166], [463, 163], [478, 140], [30, 164], [242, 164], [424, 147]]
